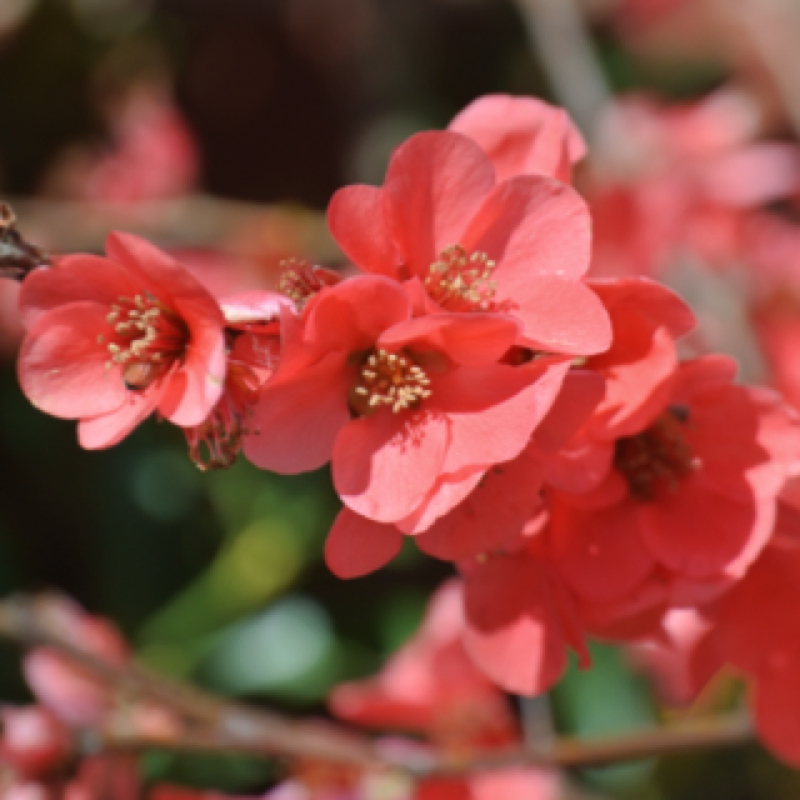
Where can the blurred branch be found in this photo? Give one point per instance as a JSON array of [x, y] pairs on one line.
[[773, 27], [225, 726], [190, 221], [558, 34]]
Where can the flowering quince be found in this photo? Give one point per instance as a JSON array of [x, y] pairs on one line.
[[688, 504], [431, 686], [110, 340], [469, 243], [395, 402], [522, 135]]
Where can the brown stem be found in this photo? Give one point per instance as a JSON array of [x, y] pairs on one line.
[[218, 725]]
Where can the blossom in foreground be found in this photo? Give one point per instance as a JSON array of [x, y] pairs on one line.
[[111, 340], [395, 401], [468, 243]]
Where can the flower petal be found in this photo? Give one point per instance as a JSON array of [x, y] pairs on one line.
[[385, 465], [95, 433], [531, 226], [493, 410], [522, 135], [62, 367], [357, 546], [435, 183], [514, 629], [298, 419], [357, 223]]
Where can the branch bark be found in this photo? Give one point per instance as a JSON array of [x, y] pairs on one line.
[[223, 726]]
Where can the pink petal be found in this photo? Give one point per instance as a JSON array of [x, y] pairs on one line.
[[78, 278], [702, 374], [580, 393], [531, 226], [513, 627], [357, 546], [435, 183], [494, 410], [448, 492], [649, 299], [298, 418], [492, 515], [558, 315], [62, 367], [522, 135], [385, 465], [357, 223], [257, 305], [95, 433], [470, 339], [641, 369], [353, 314], [191, 392], [162, 275]]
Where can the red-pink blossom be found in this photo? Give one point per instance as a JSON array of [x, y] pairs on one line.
[[395, 401], [469, 243], [110, 340]]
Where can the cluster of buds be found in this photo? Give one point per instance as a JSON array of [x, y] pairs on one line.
[[474, 389]]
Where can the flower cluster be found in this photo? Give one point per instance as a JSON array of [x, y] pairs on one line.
[[475, 391]]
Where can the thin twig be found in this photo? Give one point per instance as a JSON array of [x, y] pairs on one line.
[[227, 727], [557, 33], [773, 27]]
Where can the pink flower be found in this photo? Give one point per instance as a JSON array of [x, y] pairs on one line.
[[468, 243], [522, 135], [110, 340], [690, 499], [395, 402]]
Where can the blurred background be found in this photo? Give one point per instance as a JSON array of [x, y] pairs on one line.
[[219, 129]]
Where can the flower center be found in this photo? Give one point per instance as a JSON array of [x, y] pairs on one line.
[[146, 339], [656, 458], [461, 282], [388, 379], [300, 282]]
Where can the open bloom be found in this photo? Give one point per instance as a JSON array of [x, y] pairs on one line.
[[110, 340], [396, 401], [471, 244], [689, 500]]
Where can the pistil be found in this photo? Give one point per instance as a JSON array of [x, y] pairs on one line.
[[658, 458], [389, 379], [459, 281], [146, 339]]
